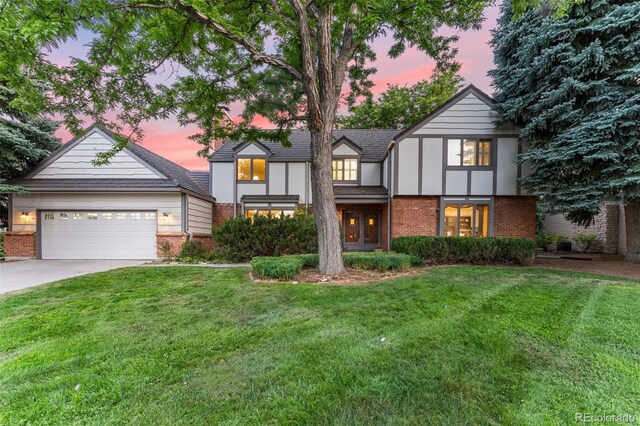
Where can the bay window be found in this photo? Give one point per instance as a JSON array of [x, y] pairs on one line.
[[466, 220]]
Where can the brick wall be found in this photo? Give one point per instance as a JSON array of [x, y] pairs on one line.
[[414, 216], [221, 212], [514, 217], [175, 241], [20, 244]]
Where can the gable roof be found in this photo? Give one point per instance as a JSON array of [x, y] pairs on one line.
[[343, 140], [174, 175], [372, 142], [455, 98]]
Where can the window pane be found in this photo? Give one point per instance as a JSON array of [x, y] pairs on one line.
[[77, 216], [451, 220], [244, 168], [64, 216], [484, 152], [259, 169], [48, 216], [337, 169], [287, 213], [249, 213], [120, 216], [106, 216], [135, 215], [92, 216], [482, 221], [469, 152], [150, 215], [351, 169], [453, 152], [466, 216]]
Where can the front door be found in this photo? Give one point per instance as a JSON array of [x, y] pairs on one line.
[[361, 230]]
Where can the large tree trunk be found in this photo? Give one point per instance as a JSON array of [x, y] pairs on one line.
[[324, 205], [632, 212]]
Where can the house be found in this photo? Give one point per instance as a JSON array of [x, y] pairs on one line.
[[609, 226], [124, 210], [454, 173]]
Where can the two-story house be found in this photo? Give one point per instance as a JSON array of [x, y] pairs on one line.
[[454, 174]]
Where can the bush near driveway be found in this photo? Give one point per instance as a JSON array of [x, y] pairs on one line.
[[439, 250], [243, 238]]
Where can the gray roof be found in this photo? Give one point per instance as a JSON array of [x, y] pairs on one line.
[[176, 175], [344, 191], [201, 177], [372, 142]]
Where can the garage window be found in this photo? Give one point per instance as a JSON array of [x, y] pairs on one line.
[[48, 216], [64, 216], [120, 216], [77, 216], [149, 215], [135, 215], [106, 216], [92, 216]]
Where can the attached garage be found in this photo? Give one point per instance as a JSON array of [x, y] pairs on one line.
[[98, 235], [132, 208]]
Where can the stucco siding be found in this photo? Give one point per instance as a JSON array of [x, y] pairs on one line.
[[277, 178], [370, 174], [296, 180], [507, 169], [481, 182], [469, 116], [222, 182], [407, 151], [343, 149], [456, 182], [76, 163], [251, 189], [199, 213], [251, 150], [432, 166], [169, 203]]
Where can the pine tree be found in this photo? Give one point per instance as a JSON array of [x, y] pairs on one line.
[[25, 139], [573, 86]]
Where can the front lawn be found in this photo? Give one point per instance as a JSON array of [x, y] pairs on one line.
[[188, 345]]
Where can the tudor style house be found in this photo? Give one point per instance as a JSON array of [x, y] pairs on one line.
[[453, 174]]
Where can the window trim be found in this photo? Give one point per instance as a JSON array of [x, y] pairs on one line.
[[252, 158], [444, 201], [358, 168], [492, 150]]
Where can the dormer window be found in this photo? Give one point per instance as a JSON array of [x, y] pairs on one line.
[[345, 169], [469, 152], [252, 169]]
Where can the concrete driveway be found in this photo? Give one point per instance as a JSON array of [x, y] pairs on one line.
[[17, 275]]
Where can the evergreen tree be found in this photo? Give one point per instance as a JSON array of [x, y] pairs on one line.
[[572, 84], [402, 106]]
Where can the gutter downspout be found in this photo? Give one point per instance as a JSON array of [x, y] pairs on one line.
[[306, 187], [235, 187], [389, 195]]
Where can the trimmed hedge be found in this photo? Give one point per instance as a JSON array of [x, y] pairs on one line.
[[438, 250], [287, 267], [243, 238], [279, 268]]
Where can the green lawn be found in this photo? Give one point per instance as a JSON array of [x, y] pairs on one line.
[[187, 345]]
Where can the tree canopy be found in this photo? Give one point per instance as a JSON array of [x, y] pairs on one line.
[[401, 106], [572, 85]]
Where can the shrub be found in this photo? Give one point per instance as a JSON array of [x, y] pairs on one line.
[[1, 244], [165, 249], [437, 250], [586, 242], [244, 238], [377, 261], [192, 250], [280, 268]]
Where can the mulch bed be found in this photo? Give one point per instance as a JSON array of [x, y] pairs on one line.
[[594, 263], [351, 277]]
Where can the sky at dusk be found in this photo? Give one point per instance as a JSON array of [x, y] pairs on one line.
[[169, 139]]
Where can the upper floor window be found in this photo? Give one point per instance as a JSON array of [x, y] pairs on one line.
[[252, 169], [469, 152], [345, 169]]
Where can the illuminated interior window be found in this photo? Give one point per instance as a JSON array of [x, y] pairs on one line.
[[251, 213], [252, 169], [77, 216], [469, 152], [466, 220], [345, 169]]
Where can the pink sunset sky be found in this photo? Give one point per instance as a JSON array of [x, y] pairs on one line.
[[169, 139]]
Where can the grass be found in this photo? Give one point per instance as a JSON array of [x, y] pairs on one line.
[[187, 345]]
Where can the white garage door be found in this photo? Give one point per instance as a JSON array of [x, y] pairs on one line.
[[98, 234]]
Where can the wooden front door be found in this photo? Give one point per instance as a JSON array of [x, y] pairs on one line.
[[361, 230]]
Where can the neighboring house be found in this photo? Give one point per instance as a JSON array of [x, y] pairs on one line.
[[123, 210], [609, 226], [454, 173]]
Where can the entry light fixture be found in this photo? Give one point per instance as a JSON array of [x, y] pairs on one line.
[[370, 221], [24, 215], [165, 217]]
